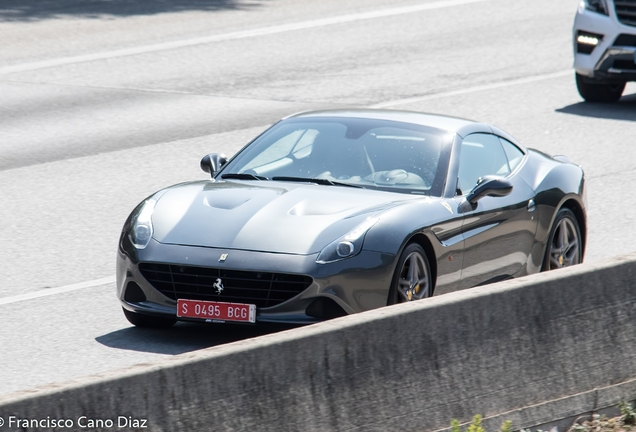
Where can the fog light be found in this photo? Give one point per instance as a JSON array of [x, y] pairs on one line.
[[587, 40]]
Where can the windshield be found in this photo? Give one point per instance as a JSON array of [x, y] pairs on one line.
[[368, 153]]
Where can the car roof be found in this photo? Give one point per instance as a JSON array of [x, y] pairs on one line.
[[460, 126]]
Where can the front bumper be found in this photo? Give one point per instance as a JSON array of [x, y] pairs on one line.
[[613, 58], [355, 284]]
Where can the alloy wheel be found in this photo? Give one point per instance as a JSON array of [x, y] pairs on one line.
[[565, 246], [413, 283]]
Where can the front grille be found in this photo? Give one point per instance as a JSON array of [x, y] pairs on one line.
[[197, 283], [626, 11]]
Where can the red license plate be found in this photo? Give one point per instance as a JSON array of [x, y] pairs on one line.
[[216, 311]]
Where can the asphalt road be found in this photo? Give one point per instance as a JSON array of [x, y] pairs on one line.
[[104, 102]]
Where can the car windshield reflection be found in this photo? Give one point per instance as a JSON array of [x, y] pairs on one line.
[[365, 153]]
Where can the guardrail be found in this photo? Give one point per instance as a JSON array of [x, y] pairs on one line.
[[531, 350]]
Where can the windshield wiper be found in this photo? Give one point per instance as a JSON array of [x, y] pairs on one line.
[[320, 181], [243, 176]]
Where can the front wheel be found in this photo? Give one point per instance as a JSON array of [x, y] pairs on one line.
[[594, 92], [412, 279], [565, 245], [148, 321]]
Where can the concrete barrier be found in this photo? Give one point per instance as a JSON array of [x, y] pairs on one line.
[[531, 350]]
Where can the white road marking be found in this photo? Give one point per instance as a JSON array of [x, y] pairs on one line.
[[58, 290], [475, 89], [263, 31]]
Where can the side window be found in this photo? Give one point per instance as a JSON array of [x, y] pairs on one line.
[[480, 155], [514, 154]]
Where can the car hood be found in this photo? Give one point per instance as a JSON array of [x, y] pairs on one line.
[[279, 217]]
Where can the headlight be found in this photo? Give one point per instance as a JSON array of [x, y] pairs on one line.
[[599, 6], [348, 245], [141, 230]]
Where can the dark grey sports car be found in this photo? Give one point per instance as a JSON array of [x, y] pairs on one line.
[[334, 212]]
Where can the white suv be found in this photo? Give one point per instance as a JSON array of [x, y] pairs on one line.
[[604, 48]]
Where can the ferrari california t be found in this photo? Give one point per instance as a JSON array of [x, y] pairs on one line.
[[330, 213]]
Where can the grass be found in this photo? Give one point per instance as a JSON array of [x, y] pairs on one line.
[[626, 422], [476, 426]]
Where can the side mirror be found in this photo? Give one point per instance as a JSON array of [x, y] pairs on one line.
[[489, 186], [213, 163]]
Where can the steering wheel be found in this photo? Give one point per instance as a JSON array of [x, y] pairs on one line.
[[427, 175]]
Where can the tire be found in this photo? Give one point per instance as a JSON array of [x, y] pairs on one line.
[[565, 245], [593, 92], [148, 321], [406, 285]]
